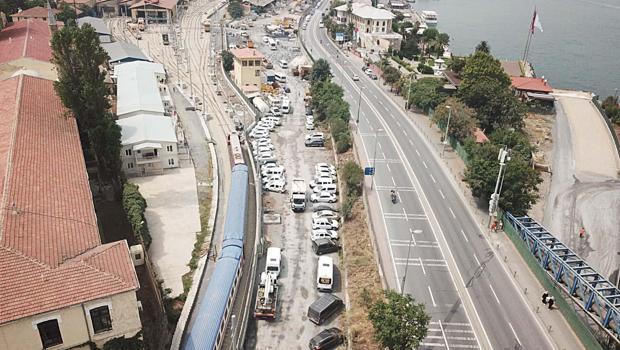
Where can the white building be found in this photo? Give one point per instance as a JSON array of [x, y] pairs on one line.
[[372, 26], [139, 89], [149, 144]]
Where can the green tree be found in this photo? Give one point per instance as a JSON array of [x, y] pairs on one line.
[[10, 7], [353, 176], [67, 14], [424, 69], [425, 93], [517, 141], [457, 64], [320, 71], [338, 109], [34, 3], [227, 60], [134, 205], [462, 121], [612, 109], [483, 47], [324, 93], [486, 88], [78, 57], [410, 46], [399, 322], [235, 9], [391, 75], [520, 186]]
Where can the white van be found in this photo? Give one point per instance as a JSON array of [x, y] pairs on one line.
[[286, 106], [331, 188], [274, 258], [274, 101], [321, 181], [325, 274], [280, 77], [283, 64]]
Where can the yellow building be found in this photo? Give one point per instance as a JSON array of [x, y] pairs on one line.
[[372, 26], [247, 67]]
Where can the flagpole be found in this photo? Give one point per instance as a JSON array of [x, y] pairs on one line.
[[527, 45]]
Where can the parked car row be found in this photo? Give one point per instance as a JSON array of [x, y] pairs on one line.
[[263, 150]]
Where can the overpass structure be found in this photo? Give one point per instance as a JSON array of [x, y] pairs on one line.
[[597, 296]]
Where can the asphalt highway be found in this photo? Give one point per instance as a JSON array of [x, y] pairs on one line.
[[473, 301]]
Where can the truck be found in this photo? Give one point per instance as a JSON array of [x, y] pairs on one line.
[[260, 104], [298, 195], [266, 297]]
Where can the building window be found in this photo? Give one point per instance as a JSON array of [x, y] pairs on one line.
[[384, 23], [244, 63], [100, 318], [169, 148], [251, 63], [257, 73], [257, 63], [170, 161], [49, 333], [128, 152], [129, 165]]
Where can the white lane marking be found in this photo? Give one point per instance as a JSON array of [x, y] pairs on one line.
[[404, 132], [381, 102], [495, 295], [411, 143], [416, 151], [432, 178], [466, 240], [398, 123], [383, 154], [452, 212], [406, 217], [394, 182], [388, 166], [432, 298], [444, 335], [441, 193], [424, 163], [515, 333], [412, 236], [422, 266], [476, 258]]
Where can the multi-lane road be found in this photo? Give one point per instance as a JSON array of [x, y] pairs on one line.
[[451, 267]]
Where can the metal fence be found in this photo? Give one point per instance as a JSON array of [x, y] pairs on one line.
[[571, 279]]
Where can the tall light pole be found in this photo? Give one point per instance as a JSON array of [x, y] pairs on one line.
[[445, 138], [502, 157], [409, 92], [374, 157], [402, 286], [359, 103]]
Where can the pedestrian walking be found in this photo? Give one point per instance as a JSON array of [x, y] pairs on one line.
[[545, 295], [551, 302], [582, 232]]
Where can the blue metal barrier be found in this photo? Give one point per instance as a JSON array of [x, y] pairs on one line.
[[596, 295]]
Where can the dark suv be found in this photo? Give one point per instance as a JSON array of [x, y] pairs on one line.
[[327, 339], [324, 246]]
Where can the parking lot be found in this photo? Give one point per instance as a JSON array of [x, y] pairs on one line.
[[297, 282]]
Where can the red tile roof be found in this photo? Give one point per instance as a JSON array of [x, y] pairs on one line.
[[246, 53], [28, 38], [531, 84], [50, 251], [166, 4], [34, 12], [480, 136]]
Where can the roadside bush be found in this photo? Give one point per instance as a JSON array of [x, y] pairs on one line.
[[343, 144], [353, 176], [347, 207], [135, 205], [424, 69], [227, 60]]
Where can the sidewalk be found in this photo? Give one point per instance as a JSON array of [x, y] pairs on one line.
[[559, 330]]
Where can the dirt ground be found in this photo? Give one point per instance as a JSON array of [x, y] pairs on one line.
[[538, 127], [362, 273]]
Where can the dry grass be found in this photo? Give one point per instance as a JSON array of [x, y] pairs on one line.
[[361, 272]]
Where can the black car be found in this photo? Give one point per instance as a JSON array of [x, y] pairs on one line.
[[324, 246], [315, 143], [327, 339]]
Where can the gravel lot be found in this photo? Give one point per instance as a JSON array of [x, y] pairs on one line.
[[291, 329]]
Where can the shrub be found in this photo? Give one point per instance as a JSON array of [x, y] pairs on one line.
[[353, 176], [135, 205], [424, 69], [347, 207]]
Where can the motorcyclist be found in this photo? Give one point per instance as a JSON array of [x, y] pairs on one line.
[[393, 195]]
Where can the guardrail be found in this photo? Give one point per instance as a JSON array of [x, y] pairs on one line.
[[610, 126], [599, 298]]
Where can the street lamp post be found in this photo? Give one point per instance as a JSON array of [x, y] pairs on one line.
[[374, 157], [409, 92], [402, 286], [445, 138], [359, 103], [503, 157]]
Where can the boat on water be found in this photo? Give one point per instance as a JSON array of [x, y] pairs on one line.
[[430, 17]]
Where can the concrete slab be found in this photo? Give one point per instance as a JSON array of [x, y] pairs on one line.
[[173, 219]]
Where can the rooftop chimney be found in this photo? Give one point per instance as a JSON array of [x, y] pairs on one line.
[[51, 18]]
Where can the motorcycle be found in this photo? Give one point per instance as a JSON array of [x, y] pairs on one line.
[[394, 197]]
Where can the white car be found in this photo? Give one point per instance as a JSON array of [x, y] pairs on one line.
[[330, 214], [268, 166], [310, 118], [272, 178], [320, 180], [276, 186], [266, 158], [315, 135], [325, 224], [269, 125], [275, 111], [276, 120], [262, 149], [324, 173], [323, 197], [262, 142], [331, 188], [271, 168], [322, 233], [356, 77], [309, 125], [259, 133], [321, 167]]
